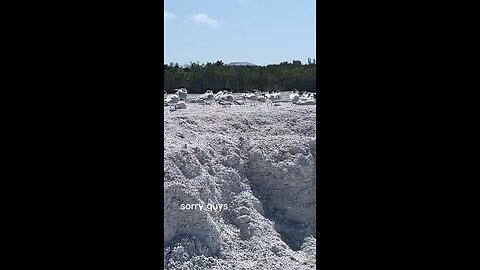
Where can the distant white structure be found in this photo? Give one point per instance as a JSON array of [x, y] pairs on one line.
[[242, 64]]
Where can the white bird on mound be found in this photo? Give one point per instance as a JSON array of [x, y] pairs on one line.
[[182, 93], [270, 99], [227, 96], [307, 99], [294, 96], [181, 104], [225, 103], [307, 102], [244, 97], [262, 99], [218, 95], [257, 92], [307, 96], [252, 98], [172, 100], [270, 95], [207, 97], [277, 96]]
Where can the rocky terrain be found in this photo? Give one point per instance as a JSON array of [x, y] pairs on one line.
[[239, 187]]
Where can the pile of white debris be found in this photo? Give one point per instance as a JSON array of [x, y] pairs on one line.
[[239, 187]]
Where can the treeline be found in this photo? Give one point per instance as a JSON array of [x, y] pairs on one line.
[[279, 77]]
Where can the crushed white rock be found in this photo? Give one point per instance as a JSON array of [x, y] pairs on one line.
[[258, 161]]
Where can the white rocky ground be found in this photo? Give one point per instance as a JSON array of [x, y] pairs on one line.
[[260, 163]]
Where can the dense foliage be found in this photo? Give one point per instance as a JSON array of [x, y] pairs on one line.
[[199, 77]]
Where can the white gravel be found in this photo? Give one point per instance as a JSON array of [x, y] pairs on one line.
[[259, 162]]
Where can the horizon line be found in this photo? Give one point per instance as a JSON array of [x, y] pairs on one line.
[[213, 62]]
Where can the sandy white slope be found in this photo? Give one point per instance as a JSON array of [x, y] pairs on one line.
[[258, 161]]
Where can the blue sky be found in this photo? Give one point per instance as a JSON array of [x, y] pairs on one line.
[[257, 31]]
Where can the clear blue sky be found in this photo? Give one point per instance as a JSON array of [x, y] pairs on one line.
[[257, 31]]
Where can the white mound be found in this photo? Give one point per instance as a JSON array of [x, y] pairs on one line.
[[258, 163]]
